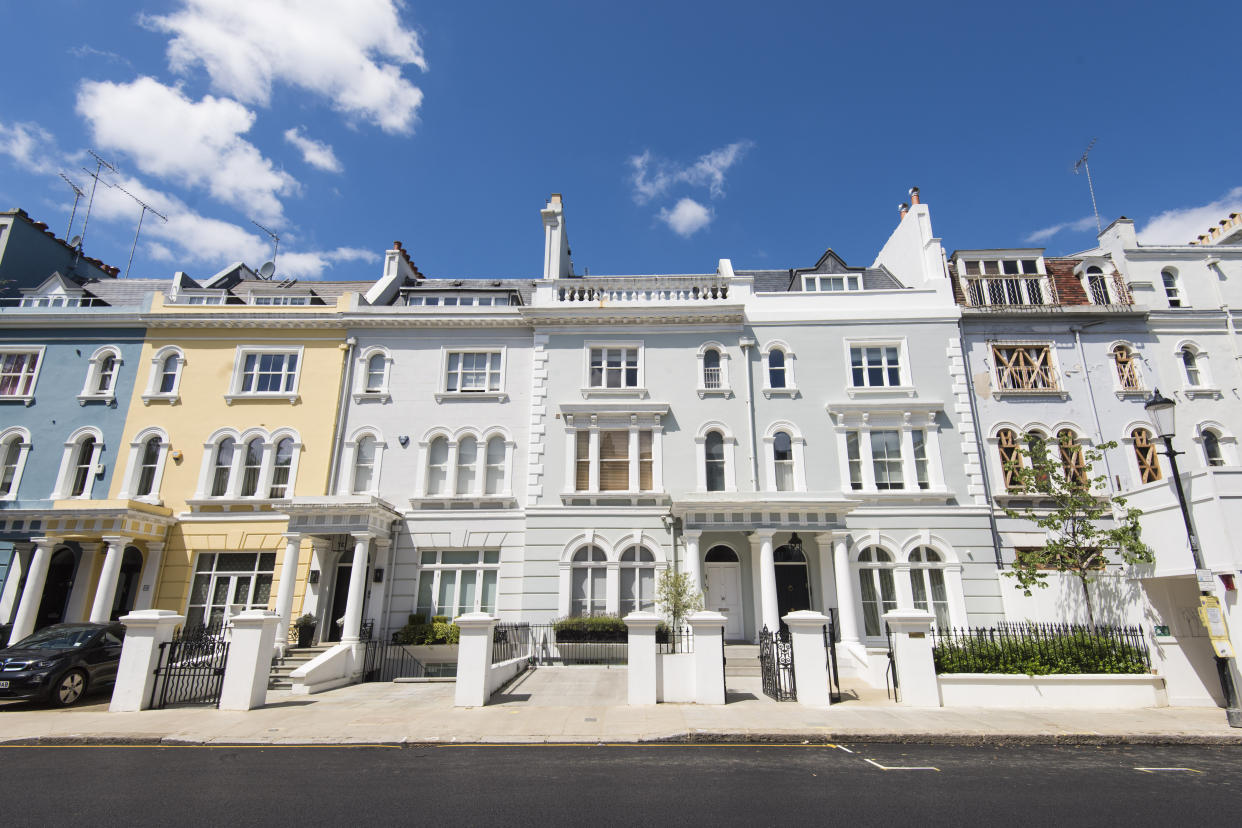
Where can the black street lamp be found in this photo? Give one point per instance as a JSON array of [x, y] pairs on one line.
[[1161, 410]]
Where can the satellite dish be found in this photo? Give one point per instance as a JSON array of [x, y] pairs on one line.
[[76, 241], [268, 270]]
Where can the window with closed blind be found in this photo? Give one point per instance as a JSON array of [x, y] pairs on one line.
[[608, 466]]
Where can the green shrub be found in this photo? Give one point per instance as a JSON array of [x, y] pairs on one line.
[[598, 628], [1080, 652], [417, 631]]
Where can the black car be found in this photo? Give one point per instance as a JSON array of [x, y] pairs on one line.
[[58, 664]]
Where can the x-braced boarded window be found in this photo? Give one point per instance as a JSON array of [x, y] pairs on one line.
[[1072, 461], [1145, 453], [1011, 460], [1127, 371], [1024, 368]]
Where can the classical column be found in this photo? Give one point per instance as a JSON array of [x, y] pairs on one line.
[[847, 600], [694, 564], [105, 593], [80, 601], [767, 582], [827, 585], [18, 565], [32, 594], [351, 634], [288, 579]]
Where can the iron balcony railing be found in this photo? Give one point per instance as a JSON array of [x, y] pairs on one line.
[[1040, 649], [1009, 292], [711, 378], [641, 289], [510, 641]]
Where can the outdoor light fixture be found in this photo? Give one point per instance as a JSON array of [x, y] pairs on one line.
[[795, 544], [313, 577], [1160, 408]]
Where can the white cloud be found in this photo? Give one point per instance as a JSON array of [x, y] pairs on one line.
[[687, 217], [1079, 226], [85, 51], [653, 176], [1182, 226], [316, 153], [193, 143], [31, 146], [352, 53]]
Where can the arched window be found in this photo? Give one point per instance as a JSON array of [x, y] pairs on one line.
[[1127, 369], [879, 594], [437, 467], [1098, 285], [282, 467], [1010, 458], [637, 580], [101, 375], [252, 467], [927, 584], [222, 468], [1211, 448], [1190, 362], [107, 375], [776, 368], [12, 448], [377, 373], [494, 479], [1037, 448], [83, 467], [148, 465], [364, 465], [467, 457], [711, 369], [1071, 457], [714, 460], [170, 370], [1172, 290], [1145, 454], [589, 580], [782, 457]]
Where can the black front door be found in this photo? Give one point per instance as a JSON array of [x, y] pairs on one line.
[[340, 597], [56, 589], [792, 591]]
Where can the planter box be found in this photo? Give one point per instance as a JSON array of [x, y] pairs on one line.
[[1100, 691]]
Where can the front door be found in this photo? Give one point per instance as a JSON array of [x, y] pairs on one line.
[[340, 598], [56, 589], [792, 589], [724, 595]]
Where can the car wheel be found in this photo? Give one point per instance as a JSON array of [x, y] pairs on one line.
[[69, 689]]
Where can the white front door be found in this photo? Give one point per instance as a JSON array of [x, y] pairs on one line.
[[724, 595]]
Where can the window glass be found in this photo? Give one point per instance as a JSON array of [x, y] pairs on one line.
[[1171, 289], [711, 369], [222, 467], [269, 373], [1190, 361], [713, 451], [437, 467], [613, 368], [920, 457], [252, 466], [782, 456], [281, 468], [878, 591], [614, 461], [886, 459], [168, 374], [148, 463], [17, 372], [473, 372], [1211, 448], [467, 457], [107, 375], [83, 467], [495, 480], [364, 465], [377, 369], [853, 453], [776, 368], [875, 366], [10, 453]]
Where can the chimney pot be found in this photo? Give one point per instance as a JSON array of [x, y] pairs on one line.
[[902, 208], [914, 195]]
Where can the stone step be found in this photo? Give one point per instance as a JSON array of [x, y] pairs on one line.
[[741, 651]]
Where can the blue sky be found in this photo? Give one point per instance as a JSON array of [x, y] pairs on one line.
[[679, 133]]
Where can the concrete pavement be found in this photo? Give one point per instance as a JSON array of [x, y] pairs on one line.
[[584, 704]]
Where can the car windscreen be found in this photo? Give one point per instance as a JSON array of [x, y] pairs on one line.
[[58, 639]]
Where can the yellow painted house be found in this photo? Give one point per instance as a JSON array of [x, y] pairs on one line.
[[232, 416]]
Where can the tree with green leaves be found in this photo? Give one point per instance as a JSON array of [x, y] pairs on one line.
[[678, 595], [1083, 524]]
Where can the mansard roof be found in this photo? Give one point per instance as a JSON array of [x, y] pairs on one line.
[[782, 281]]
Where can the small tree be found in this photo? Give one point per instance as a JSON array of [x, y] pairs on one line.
[[1081, 522], [678, 594]]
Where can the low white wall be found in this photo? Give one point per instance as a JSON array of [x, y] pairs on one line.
[[675, 680], [1095, 691], [499, 674], [433, 653], [330, 669]]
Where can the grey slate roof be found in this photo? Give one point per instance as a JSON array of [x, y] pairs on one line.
[[782, 281], [525, 288]]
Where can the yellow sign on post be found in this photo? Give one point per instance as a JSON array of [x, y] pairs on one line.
[[1212, 617]]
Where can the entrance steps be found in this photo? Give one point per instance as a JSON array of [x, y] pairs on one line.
[[741, 660], [294, 658]]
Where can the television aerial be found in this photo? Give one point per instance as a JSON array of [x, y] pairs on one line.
[[267, 270], [77, 194], [275, 247], [100, 163], [1081, 164]]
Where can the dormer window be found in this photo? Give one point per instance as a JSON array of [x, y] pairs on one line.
[[1097, 286], [1009, 281], [280, 300], [834, 283], [457, 300]]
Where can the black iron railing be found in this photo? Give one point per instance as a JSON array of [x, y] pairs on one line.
[[670, 641], [776, 664], [510, 641], [830, 645], [1041, 649], [550, 646], [190, 671], [384, 661]]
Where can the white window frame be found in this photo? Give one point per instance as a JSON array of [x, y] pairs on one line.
[[815, 282], [1136, 363], [7, 437], [791, 386], [239, 364], [68, 465], [436, 570], [1053, 363], [873, 568], [611, 571], [593, 424], [156, 377], [237, 468], [1225, 440], [636, 566], [700, 456], [1132, 462], [1173, 294], [724, 389], [980, 289], [797, 445], [349, 461], [499, 395], [362, 375], [589, 390], [31, 377], [94, 374], [478, 490], [1207, 386], [862, 422], [133, 467], [905, 384]]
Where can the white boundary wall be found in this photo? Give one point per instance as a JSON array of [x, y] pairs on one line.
[[1093, 691]]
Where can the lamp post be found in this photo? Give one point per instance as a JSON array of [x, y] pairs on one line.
[[1161, 410]]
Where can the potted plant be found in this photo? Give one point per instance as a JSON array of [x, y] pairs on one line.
[[305, 625]]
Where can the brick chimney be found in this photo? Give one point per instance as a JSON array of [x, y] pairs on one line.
[[914, 195]]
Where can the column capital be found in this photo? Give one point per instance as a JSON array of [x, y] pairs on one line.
[[363, 536], [762, 535], [692, 534], [296, 537], [319, 543], [47, 541], [154, 546], [828, 536], [119, 540], [90, 546]]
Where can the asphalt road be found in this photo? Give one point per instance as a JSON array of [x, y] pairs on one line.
[[892, 785]]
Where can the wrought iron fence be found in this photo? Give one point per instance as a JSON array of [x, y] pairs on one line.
[[1041, 649], [776, 664], [830, 646], [670, 641], [384, 661], [510, 641], [190, 670], [548, 646]]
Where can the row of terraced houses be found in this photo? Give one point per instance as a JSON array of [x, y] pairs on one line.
[[827, 437]]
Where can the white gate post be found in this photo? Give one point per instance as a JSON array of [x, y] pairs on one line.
[[642, 676], [810, 657], [250, 660], [709, 687], [474, 658], [145, 631], [912, 657]]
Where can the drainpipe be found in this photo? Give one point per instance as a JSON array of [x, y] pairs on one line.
[[338, 442], [747, 344], [981, 446], [1213, 266], [1095, 411]]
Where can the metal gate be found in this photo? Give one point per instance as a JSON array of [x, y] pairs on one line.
[[384, 661], [190, 671], [776, 664], [830, 645]]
